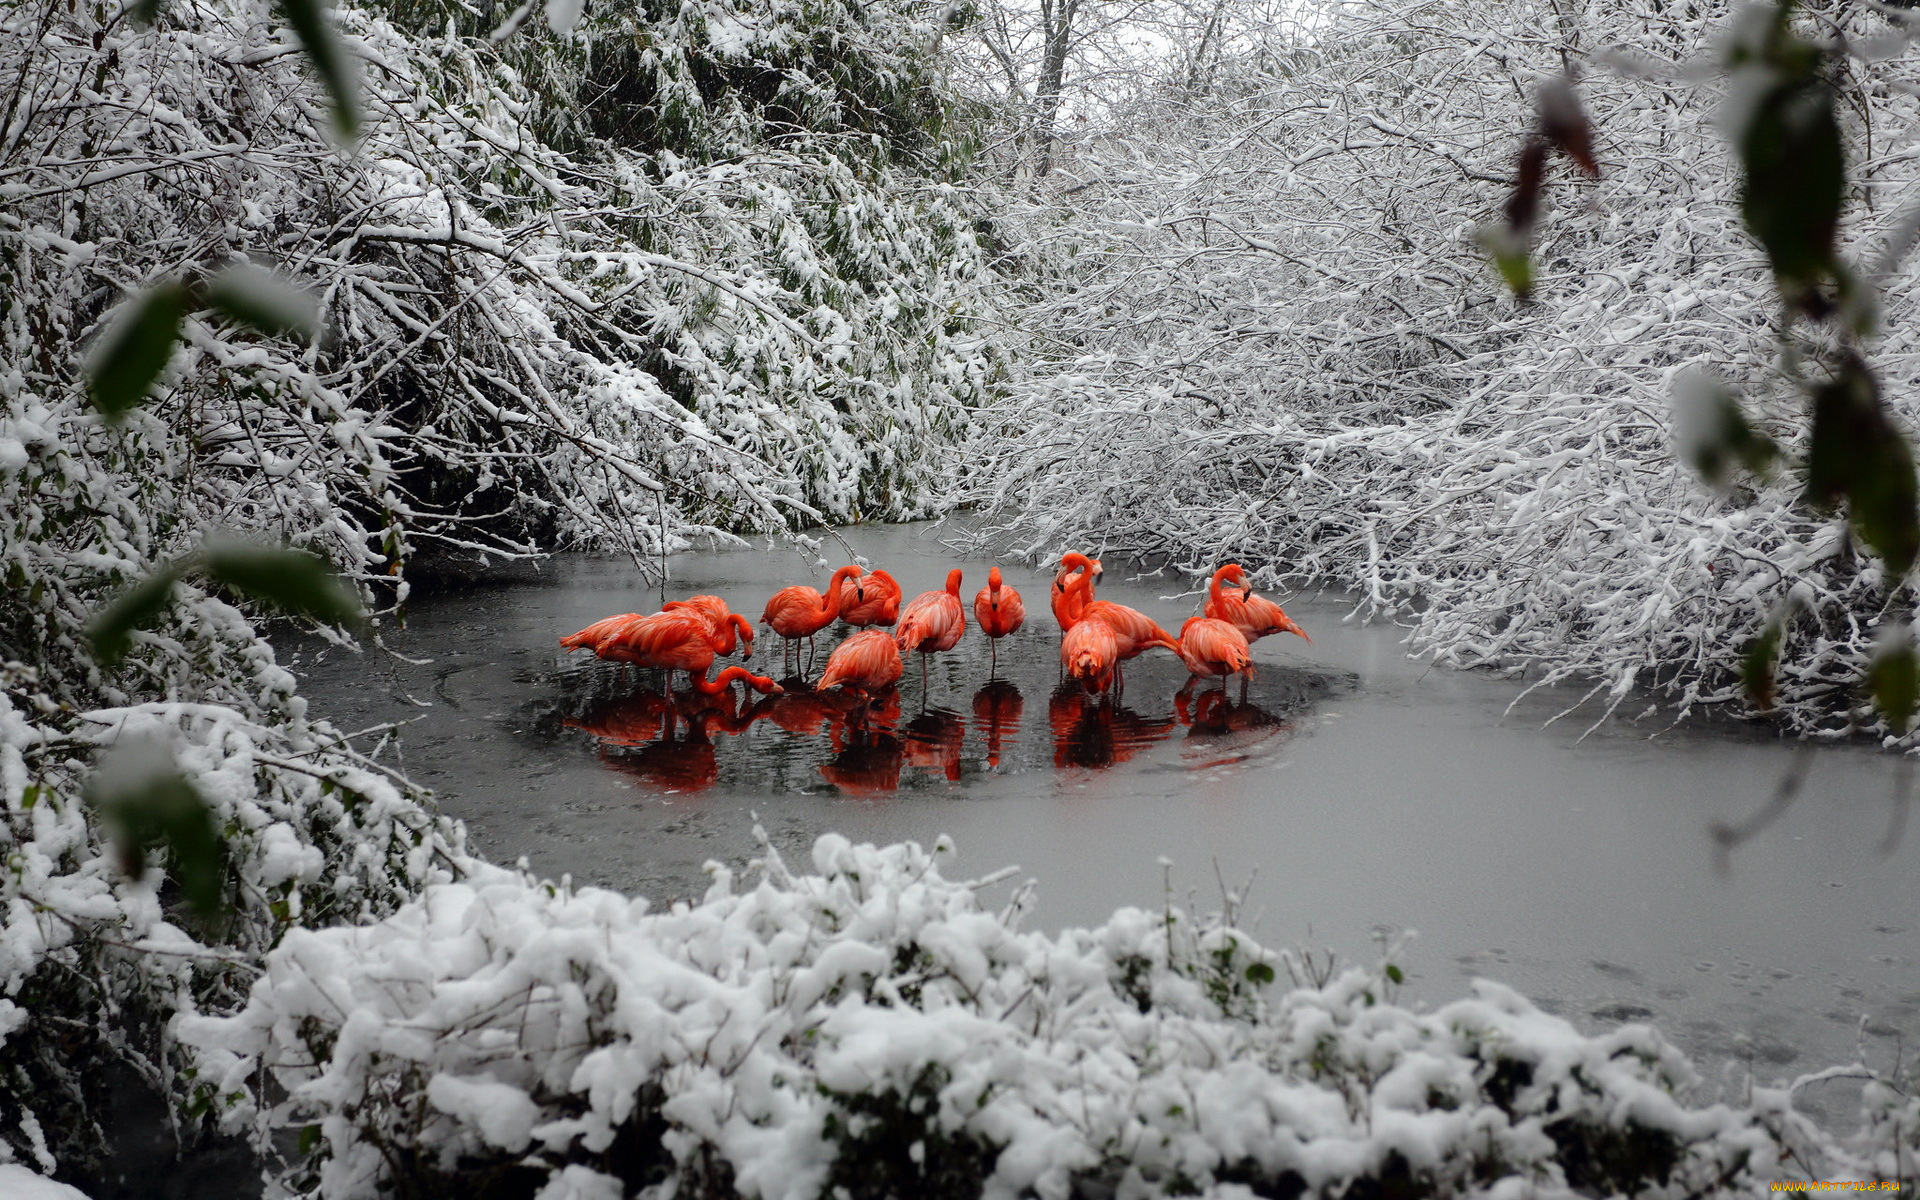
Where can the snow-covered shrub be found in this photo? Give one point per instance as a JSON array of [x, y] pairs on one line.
[[873, 1028], [1279, 341], [553, 313]]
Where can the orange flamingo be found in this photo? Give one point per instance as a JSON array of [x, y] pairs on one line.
[[679, 641], [1230, 598], [1073, 587], [873, 599], [1134, 632], [1000, 612], [800, 612], [932, 622], [1090, 654], [724, 620], [1212, 649], [869, 661]]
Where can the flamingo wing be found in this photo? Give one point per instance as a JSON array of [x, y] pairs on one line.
[[1133, 630], [1212, 647], [932, 621], [598, 632], [675, 641], [868, 661]]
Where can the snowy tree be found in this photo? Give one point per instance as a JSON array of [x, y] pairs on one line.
[[1279, 340]]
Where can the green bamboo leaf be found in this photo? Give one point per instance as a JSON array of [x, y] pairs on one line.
[[135, 349], [262, 300], [111, 629], [147, 804], [293, 582], [329, 58]]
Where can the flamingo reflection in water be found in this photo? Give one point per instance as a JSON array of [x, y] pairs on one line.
[[1223, 730], [868, 765], [1088, 732], [996, 712], [636, 735], [934, 741]]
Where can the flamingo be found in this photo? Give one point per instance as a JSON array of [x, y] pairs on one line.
[[679, 641], [1212, 649], [1000, 612], [1231, 599], [1090, 654], [724, 620], [866, 662], [800, 612], [1134, 632], [932, 622], [1070, 595], [873, 599]]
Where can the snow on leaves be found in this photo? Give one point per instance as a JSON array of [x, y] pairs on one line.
[[871, 1029]]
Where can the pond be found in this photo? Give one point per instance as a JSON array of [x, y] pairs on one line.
[[1362, 793]]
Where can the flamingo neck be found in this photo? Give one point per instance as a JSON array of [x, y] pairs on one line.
[[1219, 578]]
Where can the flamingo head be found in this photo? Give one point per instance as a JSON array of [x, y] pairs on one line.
[[953, 581]]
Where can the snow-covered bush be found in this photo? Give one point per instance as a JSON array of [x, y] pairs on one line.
[[872, 1030], [691, 268], [1279, 341]]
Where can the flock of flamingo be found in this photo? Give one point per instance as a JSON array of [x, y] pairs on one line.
[[1097, 636]]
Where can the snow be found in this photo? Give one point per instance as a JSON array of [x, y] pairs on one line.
[[18, 1183], [781, 1020]]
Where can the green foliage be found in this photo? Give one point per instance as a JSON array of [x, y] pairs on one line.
[[139, 607], [1893, 680], [136, 349], [149, 804], [1788, 140], [1857, 455], [330, 62], [292, 582], [897, 1142]]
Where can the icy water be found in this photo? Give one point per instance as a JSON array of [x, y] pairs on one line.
[[1363, 793]]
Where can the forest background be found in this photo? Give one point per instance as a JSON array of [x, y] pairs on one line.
[[424, 282]]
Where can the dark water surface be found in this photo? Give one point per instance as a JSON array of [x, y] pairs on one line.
[[1364, 793]]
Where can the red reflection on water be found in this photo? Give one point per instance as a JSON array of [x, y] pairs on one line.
[[868, 764], [637, 735], [1213, 721], [934, 740], [996, 712], [1091, 731]]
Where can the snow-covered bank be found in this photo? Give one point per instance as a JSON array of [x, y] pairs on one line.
[[872, 1029]]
